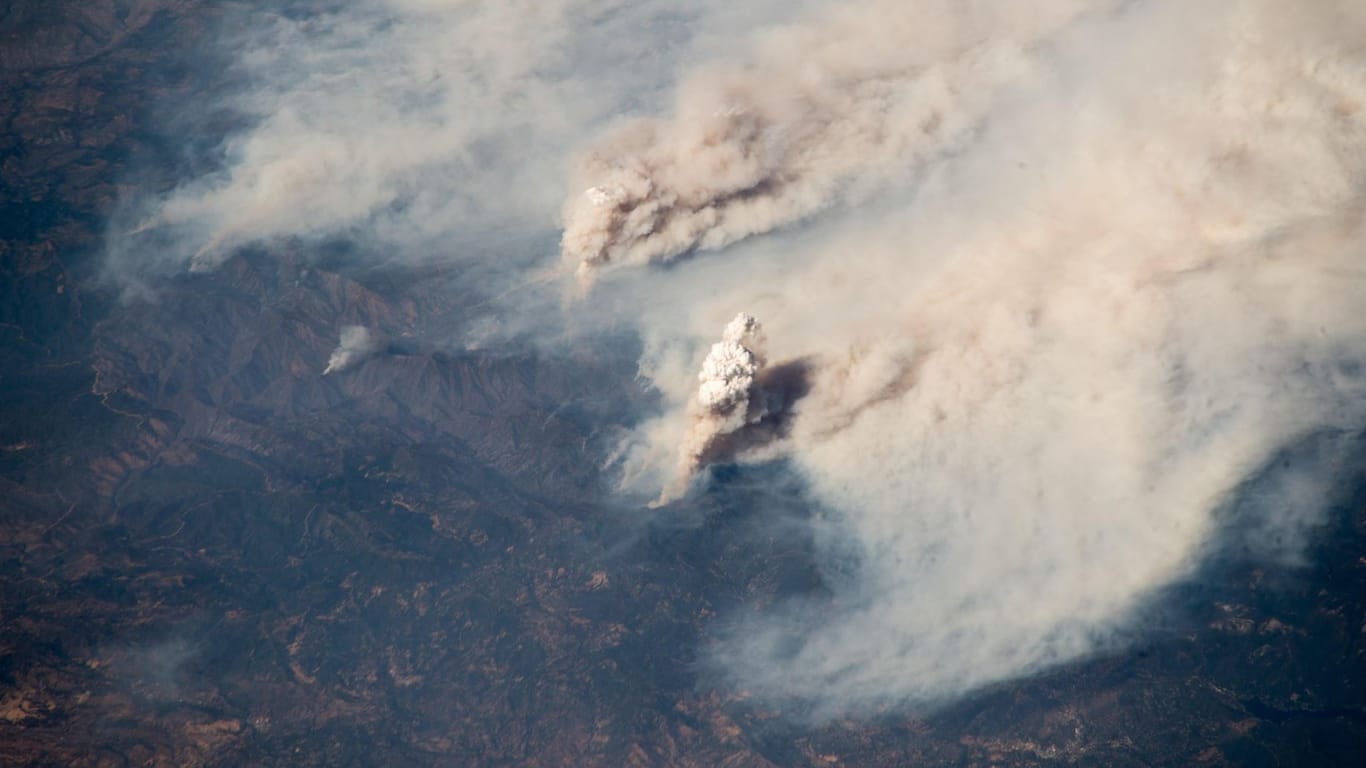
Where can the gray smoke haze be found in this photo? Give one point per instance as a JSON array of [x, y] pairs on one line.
[[1069, 273]]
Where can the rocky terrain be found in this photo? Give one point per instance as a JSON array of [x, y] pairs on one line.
[[210, 554]]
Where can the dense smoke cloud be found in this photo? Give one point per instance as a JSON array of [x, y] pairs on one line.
[[1038, 373], [1069, 273], [871, 93], [357, 343]]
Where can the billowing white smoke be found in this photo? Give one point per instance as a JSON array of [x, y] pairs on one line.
[[357, 343], [728, 370], [1038, 373], [725, 399]]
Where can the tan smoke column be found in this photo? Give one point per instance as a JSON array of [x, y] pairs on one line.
[[725, 399], [1038, 375], [863, 95]]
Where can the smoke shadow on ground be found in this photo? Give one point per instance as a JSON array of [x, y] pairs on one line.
[[778, 389]]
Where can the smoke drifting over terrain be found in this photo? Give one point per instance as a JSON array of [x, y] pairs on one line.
[[1128, 271], [404, 121], [357, 343], [1070, 274], [874, 91]]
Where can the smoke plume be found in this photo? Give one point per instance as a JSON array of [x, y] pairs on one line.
[[726, 399], [1122, 278], [357, 343], [820, 112], [1059, 278], [405, 122]]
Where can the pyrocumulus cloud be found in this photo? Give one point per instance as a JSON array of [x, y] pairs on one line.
[[725, 400]]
